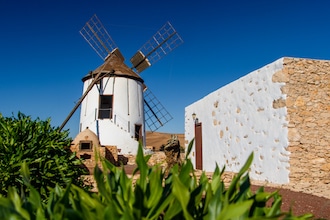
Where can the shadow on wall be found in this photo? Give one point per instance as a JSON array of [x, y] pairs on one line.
[[120, 160]]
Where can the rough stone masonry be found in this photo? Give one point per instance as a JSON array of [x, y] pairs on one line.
[[307, 101]]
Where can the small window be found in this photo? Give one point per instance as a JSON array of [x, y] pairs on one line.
[[138, 132], [86, 145], [105, 106]]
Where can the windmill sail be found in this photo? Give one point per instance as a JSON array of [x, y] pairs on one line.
[[95, 80], [97, 37], [155, 113], [162, 43]]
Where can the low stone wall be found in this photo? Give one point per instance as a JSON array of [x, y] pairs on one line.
[[307, 89]]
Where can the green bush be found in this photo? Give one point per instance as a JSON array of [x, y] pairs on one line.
[[181, 196], [43, 148]]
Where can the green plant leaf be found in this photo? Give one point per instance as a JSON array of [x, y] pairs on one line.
[[264, 196], [235, 210], [44, 150], [276, 206], [25, 173], [189, 148], [163, 205], [182, 195], [215, 203], [16, 200], [142, 167], [231, 192], [156, 188], [173, 211]]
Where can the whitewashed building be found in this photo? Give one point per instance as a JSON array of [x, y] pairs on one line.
[[280, 112], [114, 109]]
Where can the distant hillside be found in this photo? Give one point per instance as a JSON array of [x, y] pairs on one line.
[[157, 139]]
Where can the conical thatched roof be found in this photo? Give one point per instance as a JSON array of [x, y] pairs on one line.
[[114, 66]]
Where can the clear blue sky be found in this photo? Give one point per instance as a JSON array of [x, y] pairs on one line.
[[43, 57]]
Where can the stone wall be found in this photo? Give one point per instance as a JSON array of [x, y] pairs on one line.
[[307, 101]]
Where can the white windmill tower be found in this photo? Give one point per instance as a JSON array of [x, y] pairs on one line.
[[116, 103]]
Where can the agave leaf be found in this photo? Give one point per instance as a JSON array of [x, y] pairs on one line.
[[173, 210], [88, 203], [215, 204], [216, 181], [69, 214], [276, 206], [231, 192], [156, 188], [111, 212], [139, 205], [99, 178], [185, 174], [190, 145], [235, 210], [126, 187], [35, 199], [16, 200], [108, 166], [247, 165], [196, 200], [244, 188], [182, 195], [260, 189], [158, 209], [142, 167], [264, 196]]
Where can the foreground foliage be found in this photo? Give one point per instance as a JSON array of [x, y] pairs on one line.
[[180, 196], [44, 150]]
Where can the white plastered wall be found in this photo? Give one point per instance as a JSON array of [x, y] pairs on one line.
[[127, 111], [238, 119]]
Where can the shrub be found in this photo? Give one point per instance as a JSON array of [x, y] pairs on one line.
[[180, 196], [43, 148]]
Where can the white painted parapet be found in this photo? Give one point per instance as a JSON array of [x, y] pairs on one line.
[[238, 119]]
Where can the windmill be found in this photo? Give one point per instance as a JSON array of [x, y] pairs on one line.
[[116, 104]]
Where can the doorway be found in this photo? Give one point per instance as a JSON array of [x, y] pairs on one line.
[[198, 146], [138, 132]]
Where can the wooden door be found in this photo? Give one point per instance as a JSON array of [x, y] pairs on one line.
[[198, 146]]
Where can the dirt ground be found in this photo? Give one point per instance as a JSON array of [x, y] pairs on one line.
[[156, 139], [302, 203], [302, 199]]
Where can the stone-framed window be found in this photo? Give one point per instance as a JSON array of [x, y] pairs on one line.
[[86, 145]]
